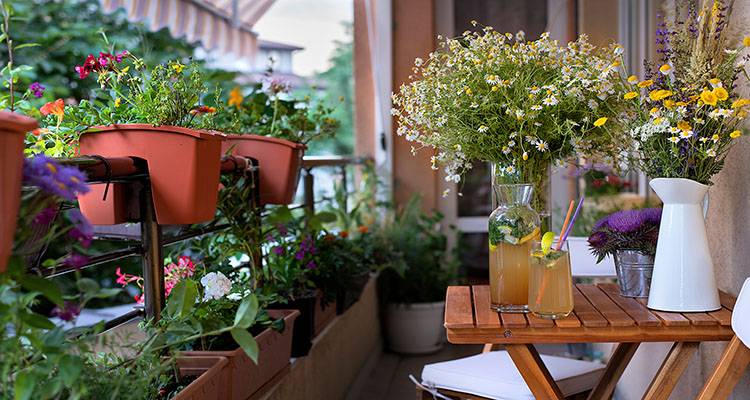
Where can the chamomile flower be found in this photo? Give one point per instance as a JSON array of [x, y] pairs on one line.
[[674, 130], [711, 152], [510, 169], [536, 107], [482, 129], [550, 101], [542, 146], [686, 135], [674, 139]]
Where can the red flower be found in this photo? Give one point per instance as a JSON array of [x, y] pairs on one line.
[[363, 229], [344, 234], [88, 66], [56, 107]]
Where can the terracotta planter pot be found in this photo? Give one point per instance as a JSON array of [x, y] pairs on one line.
[[280, 162], [246, 377], [211, 384], [304, 326], [12, 130], [183, 166], [324, 314]]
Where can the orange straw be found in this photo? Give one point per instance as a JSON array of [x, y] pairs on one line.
[[565, 225]]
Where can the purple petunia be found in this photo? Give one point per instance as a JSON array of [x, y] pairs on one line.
[[300, 255], [36, 89], [76, 260], [68, 312], [82, 230], [46, 216], [278, 250], [311, 265]]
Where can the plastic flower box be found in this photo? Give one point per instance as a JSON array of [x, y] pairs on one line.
[[324, 314], [12, 130], [246, 377], [183, 166], [211, 384], [279, 160]]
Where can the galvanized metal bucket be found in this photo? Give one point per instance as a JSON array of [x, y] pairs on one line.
[[634, 270]]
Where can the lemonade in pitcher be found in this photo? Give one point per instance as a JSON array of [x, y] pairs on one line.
[[513, 226]]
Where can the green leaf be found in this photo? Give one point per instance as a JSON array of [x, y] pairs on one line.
[[36, 320], [182, 298], [88, 286], [326, 217], [24, 385], [46, 287], [70, 369], [246, 312], [245, 340]]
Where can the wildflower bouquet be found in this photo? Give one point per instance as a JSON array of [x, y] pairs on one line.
[[686, 112], [626, 230], [522, 105], [270, 110], [130, 92]]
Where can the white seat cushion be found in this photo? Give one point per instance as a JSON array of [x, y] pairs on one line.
[[493, 375]]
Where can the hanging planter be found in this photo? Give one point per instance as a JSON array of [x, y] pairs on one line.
[[211, 381], [183, 166], [12, 130], [247, 377], [683, 278], [280, 162]]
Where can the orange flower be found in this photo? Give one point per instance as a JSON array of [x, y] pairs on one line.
[[235, 97], [344, 234], [202, 110], [363, 229], [40, 131], [56, 107]]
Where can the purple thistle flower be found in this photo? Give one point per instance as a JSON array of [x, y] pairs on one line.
[[278, 250], [598, 239], [37, 90], [68, 312], [300, 255], [626, 221], [601, 223], [46, 216], [652, 215]]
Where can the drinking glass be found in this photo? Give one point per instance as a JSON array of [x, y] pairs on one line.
[[550, 282]]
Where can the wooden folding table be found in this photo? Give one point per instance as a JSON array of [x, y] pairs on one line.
[[600, 315]]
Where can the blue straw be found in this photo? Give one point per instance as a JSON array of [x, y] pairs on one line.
[[573, 220]]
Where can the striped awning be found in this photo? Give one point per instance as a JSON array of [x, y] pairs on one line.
[[221, 25]]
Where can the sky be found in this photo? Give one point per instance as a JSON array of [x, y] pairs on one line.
[[312, 24]]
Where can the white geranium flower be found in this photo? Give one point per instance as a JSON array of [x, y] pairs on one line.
[[215, 286]]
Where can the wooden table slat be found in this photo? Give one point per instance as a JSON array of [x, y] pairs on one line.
[[611, 311], [727, 300], [636, 310], [536, 322], [485, 316], [571, 321], [513, 320], [668, 318], [723, 316], [458, 312], [586, 312], [700, 318]]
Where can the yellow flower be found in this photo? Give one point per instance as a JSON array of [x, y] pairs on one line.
[[683, 126], [735, 134], [739, 103], [720, 93], [632, 79], [177, 67], [495, 88], [653, 110], [525, 156], [630, 95], [715, 82], [601, 121], [660, 94], [715, 138], [658, 121], [468, 91], [669, 104], [665, 69], [235, 97], [746, 41], [117, 102], [646, 83], [680, 104], [709, 98]]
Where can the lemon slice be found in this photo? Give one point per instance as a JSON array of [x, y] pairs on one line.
[[493, 247], [547, 241], [530, 236]]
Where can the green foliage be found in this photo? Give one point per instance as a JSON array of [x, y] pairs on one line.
[[419, 268]]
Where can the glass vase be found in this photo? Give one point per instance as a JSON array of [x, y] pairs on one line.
[[513, 226]]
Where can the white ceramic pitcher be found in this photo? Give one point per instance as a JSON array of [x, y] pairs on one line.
[[683, 279]]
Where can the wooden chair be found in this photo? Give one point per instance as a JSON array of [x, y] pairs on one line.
[[736, 357]]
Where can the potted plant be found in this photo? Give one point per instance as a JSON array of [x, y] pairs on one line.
[[13, 128], [684, 118], [146, 114], [210, 315], [630, 237], [412, 290], [271, 126]]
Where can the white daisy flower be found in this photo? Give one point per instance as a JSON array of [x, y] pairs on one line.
[[550, 101], [711, 152], [483, 129], [674, 139], [541, 146], [686, 134]]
